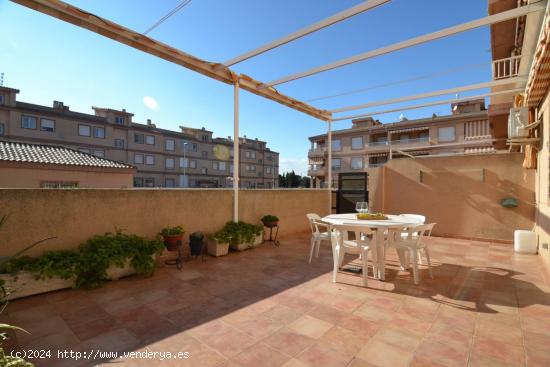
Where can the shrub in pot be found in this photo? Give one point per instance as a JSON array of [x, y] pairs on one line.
[[218, 245], [195, 243], [270, 221], [172, 237]]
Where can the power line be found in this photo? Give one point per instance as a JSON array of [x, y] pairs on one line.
[[170, 13], [399, 82]]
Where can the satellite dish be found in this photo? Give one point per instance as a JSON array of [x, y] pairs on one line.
[[402, 118]]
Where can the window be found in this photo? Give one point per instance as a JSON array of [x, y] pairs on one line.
[[99, 153], [336, 163], [169, 163], [1, 99], [424, 135], [404, 138], [184, 162], [119, 120], [149, 139], [119, 143], [84, 130], [28, 122], [139, 138], [99, 132], [169, 144], [193, 163], [218, 166], [215, 165], [194, 147], [269, 158], [357, 142], [149, 182], [356, 163], [204, 138], [222, 166], [1, 129], [231, 168], [269, 170], [249, 154], [446, 133], [169, 182], [251, 168], [204, 171], [58, 185], [138, 181], [204, 154], [150, 160], [138, 158], [84, 150], [47, 125], [336, 145]]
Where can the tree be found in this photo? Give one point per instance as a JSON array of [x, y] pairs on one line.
[[291, 179]]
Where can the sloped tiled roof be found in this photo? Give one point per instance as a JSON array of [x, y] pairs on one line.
[[52, 154]]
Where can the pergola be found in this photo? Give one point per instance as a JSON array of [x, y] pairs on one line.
[[223, 73]]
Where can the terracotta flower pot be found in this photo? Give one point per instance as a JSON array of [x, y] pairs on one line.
[[171, 242], [270, 224]]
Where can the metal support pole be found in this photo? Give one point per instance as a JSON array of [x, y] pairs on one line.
[[329, 184], [236, 151]]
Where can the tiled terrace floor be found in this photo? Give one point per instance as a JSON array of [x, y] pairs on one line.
[[267, 307]]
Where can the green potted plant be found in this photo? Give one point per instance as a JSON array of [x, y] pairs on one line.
[[218, 244], [172, 237], [270, 221], [258, 231]]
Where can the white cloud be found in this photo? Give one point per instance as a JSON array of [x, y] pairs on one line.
[[299, 165], [151, 103]]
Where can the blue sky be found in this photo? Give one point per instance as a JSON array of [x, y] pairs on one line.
[[48, 59]]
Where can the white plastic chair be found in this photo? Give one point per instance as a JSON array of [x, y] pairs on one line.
[[414, 245], [361, 246], [417, 217], [316, 224]]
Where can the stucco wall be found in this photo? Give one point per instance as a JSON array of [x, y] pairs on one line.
[[11, 177], [75, 215], [461, 194]]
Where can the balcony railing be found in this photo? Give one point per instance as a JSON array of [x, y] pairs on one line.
[[377, 143], [374, 165], [317, 151], [316, 172], [506, 68], [411, 141]]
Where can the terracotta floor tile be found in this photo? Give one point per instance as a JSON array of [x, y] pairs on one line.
[[510, 353], [283, 314], [442, 353], [343, 340], [399, 338], [289, 342], [310, 326], [381, 354], [327, 313], [483, 361], [363, 327], [320, 354], [374, 313], [261, 355], [259, 327], [229, 342]]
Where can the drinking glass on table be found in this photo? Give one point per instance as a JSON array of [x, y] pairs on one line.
[[359, 206], [364, 207]]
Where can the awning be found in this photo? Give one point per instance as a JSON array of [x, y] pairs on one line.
[[410, 129], [477, 150], [539, 75], [413, 152], [316, 161]]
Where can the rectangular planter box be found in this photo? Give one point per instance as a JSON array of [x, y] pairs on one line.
[[258, 240], [240, 246], [24, 284], [217, 249]]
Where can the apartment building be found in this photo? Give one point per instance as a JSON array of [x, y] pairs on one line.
[[164, 158], [369, 143]]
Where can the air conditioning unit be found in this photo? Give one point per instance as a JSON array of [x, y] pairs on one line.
[[517, 122]]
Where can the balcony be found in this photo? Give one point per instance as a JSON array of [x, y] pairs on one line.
[[506, 68], [317, 172], [417, 141], [317, 152]]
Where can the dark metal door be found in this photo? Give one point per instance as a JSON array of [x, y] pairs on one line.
[[352, 187]]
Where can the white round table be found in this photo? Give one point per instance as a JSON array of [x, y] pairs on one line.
[[378, 226]]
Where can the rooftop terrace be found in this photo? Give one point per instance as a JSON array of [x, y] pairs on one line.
[[486, 306]]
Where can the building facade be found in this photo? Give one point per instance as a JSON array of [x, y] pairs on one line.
[[369, 143], [164, 158]]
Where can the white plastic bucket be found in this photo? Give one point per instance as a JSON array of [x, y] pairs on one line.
[[525, 242]]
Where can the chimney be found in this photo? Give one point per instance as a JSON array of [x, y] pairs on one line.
[[149, 123], [123, 110], [58, 105]]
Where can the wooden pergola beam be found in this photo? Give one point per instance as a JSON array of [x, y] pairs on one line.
[[109, 29]]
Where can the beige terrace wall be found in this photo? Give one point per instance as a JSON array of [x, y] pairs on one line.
[[461, 194], [75, 215], [543, 186]]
